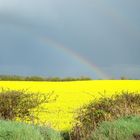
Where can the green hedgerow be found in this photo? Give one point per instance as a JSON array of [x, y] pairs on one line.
[[105, 109], [20, 103]]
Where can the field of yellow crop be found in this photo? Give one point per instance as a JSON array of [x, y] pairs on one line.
[[71, 96]]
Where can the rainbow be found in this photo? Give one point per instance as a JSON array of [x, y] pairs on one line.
[[75, 55], [119, 19], [72, 53]]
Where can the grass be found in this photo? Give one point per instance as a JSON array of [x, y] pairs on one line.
[[10, 130], [127, 128], [71, 96]]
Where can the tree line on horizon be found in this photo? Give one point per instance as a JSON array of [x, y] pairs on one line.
[[40, 78]]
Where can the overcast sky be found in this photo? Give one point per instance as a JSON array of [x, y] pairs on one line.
[[100, 33]]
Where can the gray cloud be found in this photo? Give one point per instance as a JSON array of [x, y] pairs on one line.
[[126, 70], [105, 33]]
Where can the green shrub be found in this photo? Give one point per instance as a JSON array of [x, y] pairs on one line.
[[19, 104], [105, 109], [19, 131], [126, 128], [49, 133], [65, 134]]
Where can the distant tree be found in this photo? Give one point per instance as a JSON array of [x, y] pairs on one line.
[[123, 78], [39, 78], [34, 78]]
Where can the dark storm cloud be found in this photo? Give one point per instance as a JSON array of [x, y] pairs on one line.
[[107, 33]]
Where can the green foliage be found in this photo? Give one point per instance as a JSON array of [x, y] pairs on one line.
[[39, 78], [65, 135], [33, 78], [19, 104], [49, 133], [15, 131], [127, 128], [19, 131], [105, 109], [11, 78]]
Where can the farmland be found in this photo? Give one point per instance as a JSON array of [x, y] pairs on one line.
[[71, 96]]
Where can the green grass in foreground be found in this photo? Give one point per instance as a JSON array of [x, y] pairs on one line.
[[10, 130], [127, 128]]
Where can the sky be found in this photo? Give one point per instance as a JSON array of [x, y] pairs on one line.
[[95, 38]]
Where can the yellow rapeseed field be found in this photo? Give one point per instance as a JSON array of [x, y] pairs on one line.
[[71, 96]]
